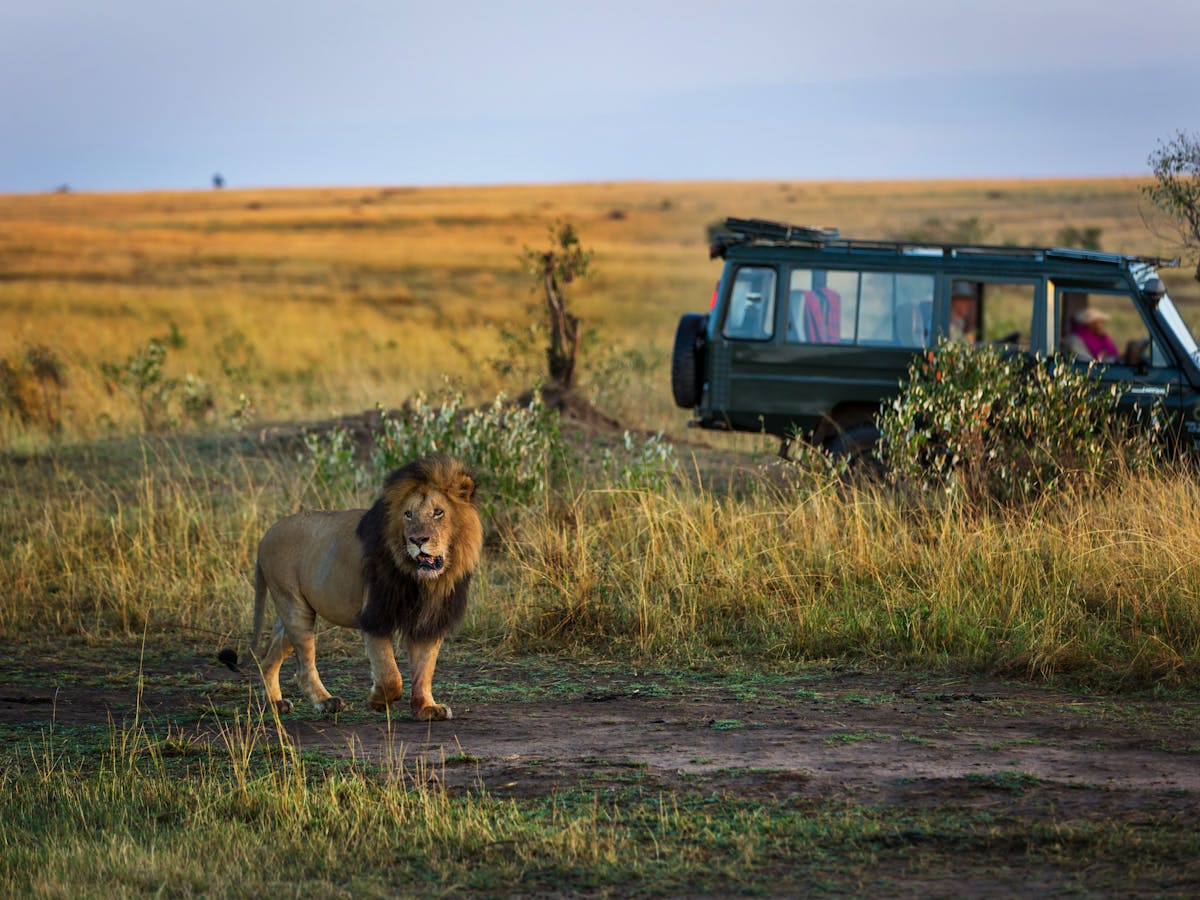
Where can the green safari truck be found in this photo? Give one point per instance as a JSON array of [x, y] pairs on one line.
[[810, 332]]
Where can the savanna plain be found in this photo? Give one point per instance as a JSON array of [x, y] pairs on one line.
[[689, 667]]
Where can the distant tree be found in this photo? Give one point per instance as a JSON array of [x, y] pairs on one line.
[[934, 231], [551, 269], [1176, 189], [218, 181], [1087, 238]]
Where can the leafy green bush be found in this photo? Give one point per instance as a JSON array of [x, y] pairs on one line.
[[162, 400], [1085, 238], [31, 387], [331, 454], [984, 425], [142, 378], [649, 466], [514, 449], [933, 230], [1176, 189]]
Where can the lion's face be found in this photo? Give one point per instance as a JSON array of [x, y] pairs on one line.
[[433, 525], [428, 531]]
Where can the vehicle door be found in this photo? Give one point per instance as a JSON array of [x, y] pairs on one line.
[[846, 338], [997, 310], [741, 340], [1100, 322]]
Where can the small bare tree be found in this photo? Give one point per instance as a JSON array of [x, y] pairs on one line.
[[1176, 189], [561, 264]]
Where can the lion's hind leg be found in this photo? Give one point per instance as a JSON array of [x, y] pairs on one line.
[[300, 629], [277, 651]]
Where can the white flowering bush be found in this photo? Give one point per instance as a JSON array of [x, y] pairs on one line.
[[332, 457], [647, 465], [514, 449], [981, 424]]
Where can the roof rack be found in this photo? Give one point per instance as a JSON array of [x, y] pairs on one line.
[[747, 230], [764, 229]]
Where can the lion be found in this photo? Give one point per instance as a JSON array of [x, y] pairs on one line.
[[403, 566]]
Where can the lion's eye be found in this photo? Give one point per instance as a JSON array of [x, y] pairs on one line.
[[408, 514], [438, 512]]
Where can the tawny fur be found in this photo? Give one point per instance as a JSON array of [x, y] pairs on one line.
[[402, 567]]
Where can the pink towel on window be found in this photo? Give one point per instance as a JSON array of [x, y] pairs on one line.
[[823, 316]]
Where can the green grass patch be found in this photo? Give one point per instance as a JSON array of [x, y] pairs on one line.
[[160, 815], [846, 738]]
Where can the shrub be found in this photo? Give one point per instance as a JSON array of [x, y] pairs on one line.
[[649, 466], [161, 400], [981, 425], [934, 230], [551, 270], [331, 455], [514, 449], [142, 379], [31, 385], [1086, 238], [1176, 189]]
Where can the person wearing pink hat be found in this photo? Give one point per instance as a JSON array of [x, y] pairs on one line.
[[1089, 340]]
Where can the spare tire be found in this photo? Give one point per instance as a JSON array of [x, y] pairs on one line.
[[858, 445], [687, 360]]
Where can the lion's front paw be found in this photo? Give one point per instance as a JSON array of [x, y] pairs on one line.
[[434, 712], [331, 706], [380, 700], [283, 707]]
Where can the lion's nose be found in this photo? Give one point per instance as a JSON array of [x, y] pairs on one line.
[[418, 541]]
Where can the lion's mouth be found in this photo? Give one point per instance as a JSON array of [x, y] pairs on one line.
[[428, 563]]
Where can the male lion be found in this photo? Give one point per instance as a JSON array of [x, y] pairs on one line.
[[404, 565]]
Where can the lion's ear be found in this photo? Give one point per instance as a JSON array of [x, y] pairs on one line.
[[464, 487]]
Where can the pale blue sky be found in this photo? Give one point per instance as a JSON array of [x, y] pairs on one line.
[[138, 94]]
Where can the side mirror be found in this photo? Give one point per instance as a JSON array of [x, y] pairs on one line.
[[1154, 290]]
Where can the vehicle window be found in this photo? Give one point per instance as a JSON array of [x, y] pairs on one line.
[[817, 309], [827, 306], [751, 314], [1105, 326], [996, 312], [845, 285]]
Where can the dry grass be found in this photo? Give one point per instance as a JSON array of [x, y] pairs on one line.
[[781, 575], [326, 301], [315, 301], [332, 300], [1098, 587]]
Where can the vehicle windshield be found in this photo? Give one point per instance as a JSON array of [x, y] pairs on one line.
[[1174, 321], [1169, 314]]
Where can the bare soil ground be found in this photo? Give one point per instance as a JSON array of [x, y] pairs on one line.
[[528, 729], [892, 741]]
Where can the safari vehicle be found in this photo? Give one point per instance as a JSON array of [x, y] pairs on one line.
[[810, 332]]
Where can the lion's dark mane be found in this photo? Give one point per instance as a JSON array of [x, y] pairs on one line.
[[395, 599]]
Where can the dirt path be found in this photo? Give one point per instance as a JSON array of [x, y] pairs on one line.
[[962, 786], [902, 738], [856, 733]]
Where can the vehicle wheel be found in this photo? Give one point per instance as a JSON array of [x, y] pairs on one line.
[[687, 374], [858, 445]]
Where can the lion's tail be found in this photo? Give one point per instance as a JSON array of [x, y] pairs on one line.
[[260, 598], [228, 655]]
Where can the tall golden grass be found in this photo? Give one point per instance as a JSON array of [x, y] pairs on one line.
[[325, 301], [319, 301], [1099, 587]]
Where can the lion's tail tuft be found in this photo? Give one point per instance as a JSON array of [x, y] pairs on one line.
[[229, 657]]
